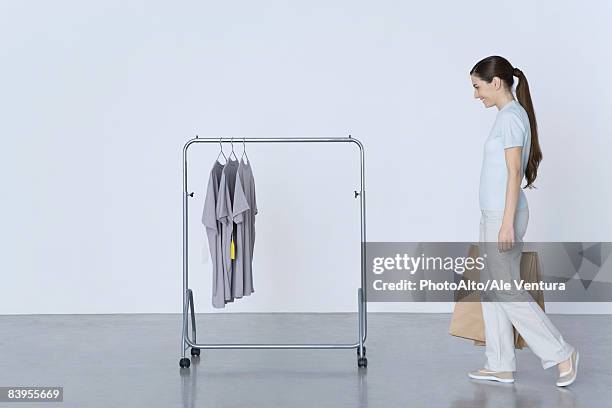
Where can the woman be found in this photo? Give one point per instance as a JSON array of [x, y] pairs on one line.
[[511, 151]]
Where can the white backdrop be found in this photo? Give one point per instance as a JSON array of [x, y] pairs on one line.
[[99, 98]]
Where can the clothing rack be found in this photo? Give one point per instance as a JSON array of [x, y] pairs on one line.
[[188, 305]]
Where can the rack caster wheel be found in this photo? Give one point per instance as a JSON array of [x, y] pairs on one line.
[[195, 351], [362, 362], [364, 351], [184, 362]]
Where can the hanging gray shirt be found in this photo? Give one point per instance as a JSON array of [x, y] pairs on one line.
[[228, 188], [220, 284], [244, 211]]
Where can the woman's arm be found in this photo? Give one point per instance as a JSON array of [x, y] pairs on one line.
[[513, 164]]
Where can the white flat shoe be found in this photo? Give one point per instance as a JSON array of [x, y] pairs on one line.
[[500, 376], [569, 377]]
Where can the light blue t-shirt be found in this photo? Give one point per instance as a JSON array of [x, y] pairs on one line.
[[511, 128]]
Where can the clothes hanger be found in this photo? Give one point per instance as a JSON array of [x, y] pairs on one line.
[[244, 153], [221, 152], [230, 155]]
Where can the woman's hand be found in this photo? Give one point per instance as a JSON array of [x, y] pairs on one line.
[[505, 239]]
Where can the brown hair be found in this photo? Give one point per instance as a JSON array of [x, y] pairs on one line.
[[496, 66]]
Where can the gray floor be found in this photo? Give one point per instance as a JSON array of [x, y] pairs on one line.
[[132, 361]]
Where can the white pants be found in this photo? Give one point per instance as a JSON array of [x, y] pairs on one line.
[[504, 309]]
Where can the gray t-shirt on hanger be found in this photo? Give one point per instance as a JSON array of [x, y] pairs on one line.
[[245, 209], [220, 283], [230, 194]]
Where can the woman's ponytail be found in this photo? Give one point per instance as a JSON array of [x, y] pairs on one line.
[[535, 154]]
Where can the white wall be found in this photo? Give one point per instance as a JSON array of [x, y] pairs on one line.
[[98, 99]]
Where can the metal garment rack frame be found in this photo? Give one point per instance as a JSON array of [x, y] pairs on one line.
[[188, 306]]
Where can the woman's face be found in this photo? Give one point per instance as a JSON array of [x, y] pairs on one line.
[[486, 92]]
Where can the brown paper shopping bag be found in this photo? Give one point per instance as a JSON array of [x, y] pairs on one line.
[[467, 321]]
